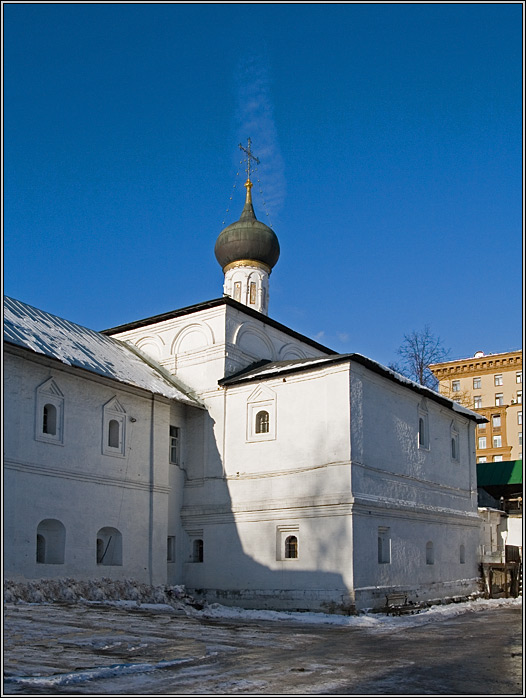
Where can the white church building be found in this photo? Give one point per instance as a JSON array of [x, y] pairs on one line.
[[214, 447]]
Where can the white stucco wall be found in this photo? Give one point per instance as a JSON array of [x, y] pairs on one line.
[[75, 483]]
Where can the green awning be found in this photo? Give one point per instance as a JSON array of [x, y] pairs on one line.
[[506, 472]]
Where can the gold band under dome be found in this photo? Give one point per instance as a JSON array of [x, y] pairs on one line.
[[247, 263]]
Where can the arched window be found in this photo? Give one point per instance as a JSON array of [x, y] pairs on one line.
[[49, 423], [262, 422], [423, 426], [453, 447], [113, 433], [430, 553], [109, 546], [49, 419], [50, 542], [198, 551], [291, 548]]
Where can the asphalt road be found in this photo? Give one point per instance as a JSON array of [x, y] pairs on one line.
[[476, 653]]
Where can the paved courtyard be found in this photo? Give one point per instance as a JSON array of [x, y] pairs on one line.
[[85, 649]]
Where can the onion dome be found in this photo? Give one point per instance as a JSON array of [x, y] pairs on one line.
[[248, 239]]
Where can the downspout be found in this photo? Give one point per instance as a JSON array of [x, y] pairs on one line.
[[150, 513]]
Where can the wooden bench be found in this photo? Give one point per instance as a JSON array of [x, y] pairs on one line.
[[396, 603]]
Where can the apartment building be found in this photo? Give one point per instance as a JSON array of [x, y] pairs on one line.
[[490, 384]]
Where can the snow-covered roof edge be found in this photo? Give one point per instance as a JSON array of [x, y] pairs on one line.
[[263, 370], [43, 333]]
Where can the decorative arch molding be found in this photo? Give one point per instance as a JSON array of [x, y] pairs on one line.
[[261, 414], [290, 352], [197, 335], [253, 341], [49, 417], [151, 345]]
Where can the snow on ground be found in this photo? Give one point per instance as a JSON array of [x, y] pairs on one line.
[[377, 621], [165, 600]]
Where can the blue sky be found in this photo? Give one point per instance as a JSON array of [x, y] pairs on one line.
[[391, 163]]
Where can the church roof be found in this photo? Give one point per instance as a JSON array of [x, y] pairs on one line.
[[269, 369], [74, 345], [206, 305]]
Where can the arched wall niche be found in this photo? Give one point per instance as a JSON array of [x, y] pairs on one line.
[[193, 337], [253, 341], [152, 346]]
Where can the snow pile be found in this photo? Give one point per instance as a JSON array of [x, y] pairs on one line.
[[99, 590], [376, 621]]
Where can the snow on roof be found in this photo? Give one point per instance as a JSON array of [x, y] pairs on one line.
[[74, 345], [267, 369]]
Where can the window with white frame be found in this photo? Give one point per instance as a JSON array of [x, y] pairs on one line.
[[477, 383], [497, 459], [519, 417], [261, 415], [287, 542], [384, 545], [499, 399], [455, 386], [497, 441], [520, 438], [519, 397], [482, 459], [113, 429], [482, 426], [496, 421], [498, 379], [49, 424], [482, 442], [518, 377], [175, 444], [477, 402]]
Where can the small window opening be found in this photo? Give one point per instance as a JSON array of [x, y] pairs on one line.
[[198, 550], [453, 447], [291, 548], [421, 432], [113, 433], [252, 293], [174, 445], [462, 555], [262, 422], [49, 419], [170, 549], [430, 553], [384, 545], [41, 548]]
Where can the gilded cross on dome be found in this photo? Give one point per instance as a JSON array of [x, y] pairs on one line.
[[250, 156]]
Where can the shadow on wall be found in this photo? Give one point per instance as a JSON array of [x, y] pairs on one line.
[[245, 553]]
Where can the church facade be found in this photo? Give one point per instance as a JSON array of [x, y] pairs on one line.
[[216, 448]]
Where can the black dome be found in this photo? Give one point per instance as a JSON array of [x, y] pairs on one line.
[[247, 238]]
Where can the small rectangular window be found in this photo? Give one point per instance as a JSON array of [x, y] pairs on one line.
[[498, 379], [477, 383], [455, 386], [519, 417], [497, 441], [252, 293], [482, 459], [482, 442], [384, 545], [495, 421], [520, 438], [518, 377], [477, 402], [519, 397], [499, 399], [170, 549], [497, 459], [174, 444]]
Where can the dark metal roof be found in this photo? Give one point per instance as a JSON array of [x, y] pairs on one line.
[[226, 300], [248, 239]]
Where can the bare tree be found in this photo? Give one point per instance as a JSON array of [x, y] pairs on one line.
[[418, 351]]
